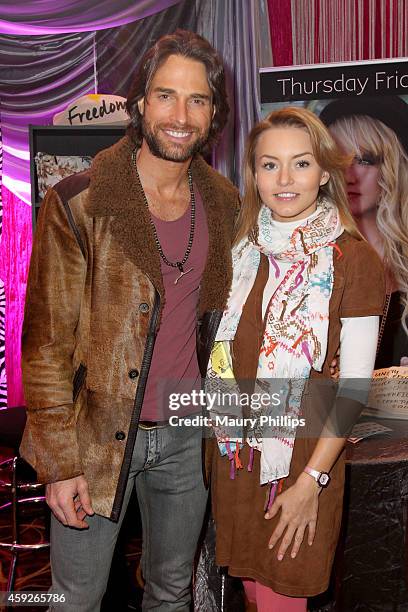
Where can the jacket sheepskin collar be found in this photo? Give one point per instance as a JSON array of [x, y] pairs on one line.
[[114, 192]]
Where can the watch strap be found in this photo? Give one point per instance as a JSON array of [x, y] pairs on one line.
[[313, 473], [322, 478]]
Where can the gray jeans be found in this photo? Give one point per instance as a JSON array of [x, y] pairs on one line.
[[166, 470]]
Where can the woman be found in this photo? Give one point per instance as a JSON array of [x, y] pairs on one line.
[[305, 283], [374, 133]]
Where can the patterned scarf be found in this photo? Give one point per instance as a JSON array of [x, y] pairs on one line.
[[296, 327]]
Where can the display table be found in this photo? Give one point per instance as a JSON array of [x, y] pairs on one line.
[[371, 570]]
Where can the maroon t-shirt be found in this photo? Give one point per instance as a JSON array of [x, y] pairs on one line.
[[174, 365]]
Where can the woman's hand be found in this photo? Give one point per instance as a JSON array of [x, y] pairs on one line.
[[298, 506], [334, 366]]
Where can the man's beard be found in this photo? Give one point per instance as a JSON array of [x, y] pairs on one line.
[[169, 151]]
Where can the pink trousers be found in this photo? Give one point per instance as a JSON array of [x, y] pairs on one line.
[[268, 601]]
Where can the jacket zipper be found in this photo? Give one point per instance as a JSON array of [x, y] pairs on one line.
[[137, 407]]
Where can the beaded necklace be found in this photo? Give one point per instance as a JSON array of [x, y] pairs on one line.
[[177, 264]]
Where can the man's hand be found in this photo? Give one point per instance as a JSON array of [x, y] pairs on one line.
[[69, 501], [298, 506]]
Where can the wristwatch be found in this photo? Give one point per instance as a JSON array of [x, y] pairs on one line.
[[322, 478]]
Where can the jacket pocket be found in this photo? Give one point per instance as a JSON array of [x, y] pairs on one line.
[[79, 379]]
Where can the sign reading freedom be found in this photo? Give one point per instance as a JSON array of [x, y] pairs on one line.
[[347, 79]]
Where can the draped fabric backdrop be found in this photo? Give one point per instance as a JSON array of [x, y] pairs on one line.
[[62, 16], [240, 33], [119, 49], [3, 379], [40, 75], [319, 31], [57, 50]]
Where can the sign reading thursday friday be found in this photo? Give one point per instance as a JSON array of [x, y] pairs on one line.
[[323, 81]]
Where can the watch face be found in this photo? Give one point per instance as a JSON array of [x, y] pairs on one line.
[[324, 479]]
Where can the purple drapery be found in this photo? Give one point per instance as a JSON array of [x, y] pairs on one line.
[[40, 76], [240, 33], [64, 16]]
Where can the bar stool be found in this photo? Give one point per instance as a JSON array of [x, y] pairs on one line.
[[12, 421]]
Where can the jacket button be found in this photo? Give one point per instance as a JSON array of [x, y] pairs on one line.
[[120, 435], [133, 374], [143, 307]]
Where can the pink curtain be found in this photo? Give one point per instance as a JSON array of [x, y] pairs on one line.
[[319, 31], [280, 25], [15, 249]]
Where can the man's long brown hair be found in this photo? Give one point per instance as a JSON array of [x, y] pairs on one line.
[[326, 153], [191, 46]]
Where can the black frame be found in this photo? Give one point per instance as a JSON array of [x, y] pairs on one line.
[[67, 140]]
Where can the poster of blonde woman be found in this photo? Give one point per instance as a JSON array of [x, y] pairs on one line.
[[364, 104]]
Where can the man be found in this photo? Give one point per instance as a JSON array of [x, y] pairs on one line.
[[125, 261]]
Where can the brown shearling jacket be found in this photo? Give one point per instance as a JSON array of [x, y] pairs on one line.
[[94, 300]]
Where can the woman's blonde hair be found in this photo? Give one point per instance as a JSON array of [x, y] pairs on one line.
[[326, 154], [363, 134]]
